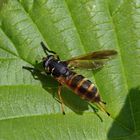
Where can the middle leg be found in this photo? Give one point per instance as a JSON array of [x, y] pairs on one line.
[[60, 98]]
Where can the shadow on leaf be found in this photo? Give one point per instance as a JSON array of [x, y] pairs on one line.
[[51, 85], [125, 125]]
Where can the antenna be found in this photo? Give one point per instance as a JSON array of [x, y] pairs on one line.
[[45, 49]]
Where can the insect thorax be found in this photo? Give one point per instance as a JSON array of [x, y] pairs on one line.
[[56, 67]]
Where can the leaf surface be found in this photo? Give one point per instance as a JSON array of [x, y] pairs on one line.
[[70, 28]]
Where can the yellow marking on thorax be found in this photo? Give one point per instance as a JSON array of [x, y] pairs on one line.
[[52, 70]]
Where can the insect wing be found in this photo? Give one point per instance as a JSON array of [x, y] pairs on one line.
[[88, 64], [94, 60], [105, 54]]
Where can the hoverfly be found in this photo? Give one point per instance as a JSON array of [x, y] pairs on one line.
[[63, 72]]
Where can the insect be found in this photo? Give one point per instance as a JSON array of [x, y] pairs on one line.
[[63, 72]]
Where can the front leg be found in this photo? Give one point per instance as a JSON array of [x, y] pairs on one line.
[[35, 72], [32, 70]]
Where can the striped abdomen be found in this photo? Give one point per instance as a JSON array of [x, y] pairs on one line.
[[82, 87]]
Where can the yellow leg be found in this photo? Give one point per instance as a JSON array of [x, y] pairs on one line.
[[60, 98]]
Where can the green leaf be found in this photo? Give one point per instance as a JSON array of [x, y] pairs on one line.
[[70, 28]]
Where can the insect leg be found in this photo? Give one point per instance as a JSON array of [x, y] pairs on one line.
[[32, 70], [36, 73], [101, 107], [28, 68], [60, 98]]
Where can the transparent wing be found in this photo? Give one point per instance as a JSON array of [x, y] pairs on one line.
[[86, 64], [105, 54], [94, 60]]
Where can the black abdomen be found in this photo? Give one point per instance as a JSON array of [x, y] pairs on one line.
[[82, 87], [78, 83]]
